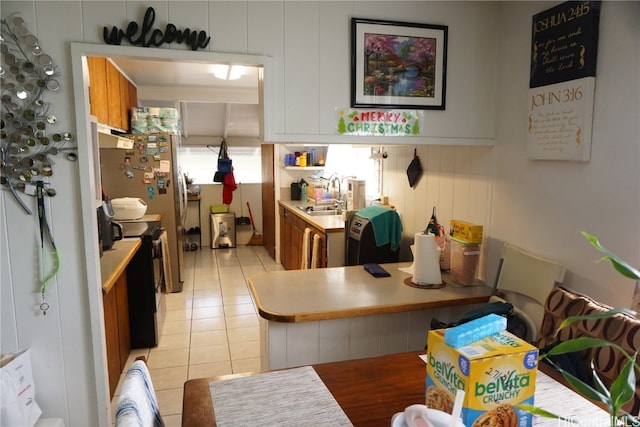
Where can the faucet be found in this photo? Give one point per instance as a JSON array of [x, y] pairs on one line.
[[332, 179]]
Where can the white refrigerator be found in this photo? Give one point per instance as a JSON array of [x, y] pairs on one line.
[[149, 170]]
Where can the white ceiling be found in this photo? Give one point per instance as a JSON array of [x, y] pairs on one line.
[[208, 106]]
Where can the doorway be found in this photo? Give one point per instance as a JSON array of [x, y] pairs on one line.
[[90, 194]]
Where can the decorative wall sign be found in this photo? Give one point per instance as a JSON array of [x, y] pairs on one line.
[[564, 43], [560, 117], [564, 48], [156, 37], [364, 122], [398, 64]]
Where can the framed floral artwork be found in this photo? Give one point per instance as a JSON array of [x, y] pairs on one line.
[[398, 64]]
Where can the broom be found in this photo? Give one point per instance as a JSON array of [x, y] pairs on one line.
[[256, 238]]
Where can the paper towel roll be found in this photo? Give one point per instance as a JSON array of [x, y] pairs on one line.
[[426, 260]]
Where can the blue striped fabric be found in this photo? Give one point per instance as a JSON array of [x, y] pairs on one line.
[[137, 405]]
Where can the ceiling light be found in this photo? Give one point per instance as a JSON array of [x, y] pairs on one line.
[[225, 72], [236, 72]]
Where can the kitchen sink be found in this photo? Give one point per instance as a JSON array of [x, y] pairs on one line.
[[318, 210]]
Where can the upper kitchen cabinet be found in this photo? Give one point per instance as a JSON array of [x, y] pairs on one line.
[[98, 88], [111, 94]]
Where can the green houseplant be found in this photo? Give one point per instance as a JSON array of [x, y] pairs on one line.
[[622, 389]]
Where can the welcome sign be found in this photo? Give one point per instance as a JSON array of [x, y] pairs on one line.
[[364, 122]]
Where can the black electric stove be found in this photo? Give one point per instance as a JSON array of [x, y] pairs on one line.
[[145, 229], [145, 278]]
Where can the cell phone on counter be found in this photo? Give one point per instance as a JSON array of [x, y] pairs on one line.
[[375, 270]]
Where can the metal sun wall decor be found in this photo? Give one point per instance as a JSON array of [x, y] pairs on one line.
[[28, 140]]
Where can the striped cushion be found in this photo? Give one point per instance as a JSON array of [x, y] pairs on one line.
[[137, 405], [620, 329]]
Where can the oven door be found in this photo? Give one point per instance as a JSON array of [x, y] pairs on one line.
[[159, 280]]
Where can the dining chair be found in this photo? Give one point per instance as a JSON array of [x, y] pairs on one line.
[[137, 405], [525, 280]]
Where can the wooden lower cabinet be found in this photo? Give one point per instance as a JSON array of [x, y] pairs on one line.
[[117, 330], [291, 238]]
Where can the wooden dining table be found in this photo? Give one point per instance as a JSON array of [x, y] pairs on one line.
[[370, 390]]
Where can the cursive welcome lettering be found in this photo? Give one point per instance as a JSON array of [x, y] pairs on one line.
[[156, 37]]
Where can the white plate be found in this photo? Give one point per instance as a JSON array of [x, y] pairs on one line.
[[437, 418]]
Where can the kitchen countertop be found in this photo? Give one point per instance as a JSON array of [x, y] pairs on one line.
[[326, 223], [331, 293], [145, 218], [114, 261]]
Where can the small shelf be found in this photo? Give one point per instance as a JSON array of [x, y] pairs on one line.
[[304, 168], [193, 231]]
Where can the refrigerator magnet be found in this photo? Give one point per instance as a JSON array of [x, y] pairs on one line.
[[151, 191], [128, 174], [161, 187]]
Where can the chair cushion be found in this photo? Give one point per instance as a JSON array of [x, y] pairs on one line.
[[620, 329], [137, 405]]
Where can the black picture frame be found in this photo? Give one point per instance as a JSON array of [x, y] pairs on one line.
[[409, 69]]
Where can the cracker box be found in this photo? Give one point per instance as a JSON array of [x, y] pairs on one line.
[[466, 231], [496, 373]]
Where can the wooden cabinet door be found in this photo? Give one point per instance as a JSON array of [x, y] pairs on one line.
[[297, 235], [283, 237], [133, 95], [125, 102], [124, 329], [110, 306], [268, 199], [290, 241], [98, 88], [113, 96]]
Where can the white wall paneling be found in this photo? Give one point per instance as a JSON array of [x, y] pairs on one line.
[[539, 205]]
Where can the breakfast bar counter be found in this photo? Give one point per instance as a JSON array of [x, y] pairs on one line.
[[340, 313], [333, 293]]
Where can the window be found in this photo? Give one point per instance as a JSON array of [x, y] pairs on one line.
[[359, 162], [200, 163]]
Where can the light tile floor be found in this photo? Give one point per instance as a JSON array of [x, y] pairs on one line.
[[210, 328]]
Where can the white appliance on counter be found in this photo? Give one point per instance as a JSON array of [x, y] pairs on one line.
[[149, 171], [356, 195]]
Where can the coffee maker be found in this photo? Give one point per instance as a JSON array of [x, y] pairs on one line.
[[108, 230]]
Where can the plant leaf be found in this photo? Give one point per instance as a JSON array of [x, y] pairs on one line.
[[599, 315], [618, 263], [541, 412], [624, 387], [579, 344], [599, 384], [585, 389]]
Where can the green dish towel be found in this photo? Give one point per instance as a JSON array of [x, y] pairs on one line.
[[387, 227]]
